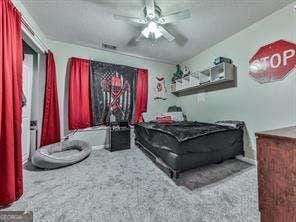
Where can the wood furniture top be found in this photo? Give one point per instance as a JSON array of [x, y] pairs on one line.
[[288, 133]]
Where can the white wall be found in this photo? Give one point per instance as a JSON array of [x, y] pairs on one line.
[[261, 106], [63, 51]]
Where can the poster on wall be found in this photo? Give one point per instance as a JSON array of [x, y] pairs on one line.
[[112, 89], [273, 62], [160, 88]]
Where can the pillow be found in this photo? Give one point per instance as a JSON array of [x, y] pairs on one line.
[[231, 123], [175, 116], [164, 120]]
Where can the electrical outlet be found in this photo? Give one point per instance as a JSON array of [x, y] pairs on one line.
[[33, 123]]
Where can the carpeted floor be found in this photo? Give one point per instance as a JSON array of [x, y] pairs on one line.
[[127, 186], [211, 174]]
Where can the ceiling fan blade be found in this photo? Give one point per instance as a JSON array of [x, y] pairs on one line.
[[166, 34], [177, 16], [150, 8], [130, 19], [180, 39], [134, 41]]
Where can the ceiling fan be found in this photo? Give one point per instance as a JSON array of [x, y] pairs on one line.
[[153, 24]]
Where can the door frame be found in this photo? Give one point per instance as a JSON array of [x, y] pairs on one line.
[[32, 40]]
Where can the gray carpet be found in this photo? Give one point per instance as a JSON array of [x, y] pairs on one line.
[[127, 186], [210, 174]]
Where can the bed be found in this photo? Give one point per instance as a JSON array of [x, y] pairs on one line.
[[181, 146]]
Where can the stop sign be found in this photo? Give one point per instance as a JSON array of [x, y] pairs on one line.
[[273, 62]]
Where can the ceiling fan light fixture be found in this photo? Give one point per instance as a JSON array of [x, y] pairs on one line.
[[152, 29], [154, 24]]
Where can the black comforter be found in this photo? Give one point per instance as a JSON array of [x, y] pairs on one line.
[[187, 145], [183, 131]]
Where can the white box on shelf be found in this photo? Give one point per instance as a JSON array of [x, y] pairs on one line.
[[205, 76], [218, 72], [185, 82], [173, 87], [193, 80], [178, 84]]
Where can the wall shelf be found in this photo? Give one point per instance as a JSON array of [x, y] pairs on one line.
[[218, 77]]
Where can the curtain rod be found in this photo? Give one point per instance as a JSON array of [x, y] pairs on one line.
[[29, 28]]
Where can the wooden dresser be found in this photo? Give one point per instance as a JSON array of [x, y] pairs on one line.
[[276, 154]]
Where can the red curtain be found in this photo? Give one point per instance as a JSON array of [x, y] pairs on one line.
[[141, 94], [79, 113], [11, 56], [51, 119]]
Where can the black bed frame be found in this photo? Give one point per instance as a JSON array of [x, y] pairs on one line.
[[173, 174]]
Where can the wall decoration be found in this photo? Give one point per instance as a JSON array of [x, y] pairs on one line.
[[221, 59], [273, 62], [186, 71], [113, 88], [178, 74], [160, 88]]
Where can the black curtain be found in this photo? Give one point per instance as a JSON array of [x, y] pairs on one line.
[[112, 89]]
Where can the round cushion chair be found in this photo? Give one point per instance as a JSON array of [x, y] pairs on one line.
[[61, 154]]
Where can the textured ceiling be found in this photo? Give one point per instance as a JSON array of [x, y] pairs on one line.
[[91, 22]]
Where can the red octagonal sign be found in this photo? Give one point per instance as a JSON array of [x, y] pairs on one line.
[[273, 62]]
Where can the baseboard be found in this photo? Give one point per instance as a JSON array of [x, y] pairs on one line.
[[246, 159], [103, 146]]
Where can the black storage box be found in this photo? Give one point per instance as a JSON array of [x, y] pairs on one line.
[[119, 135]]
